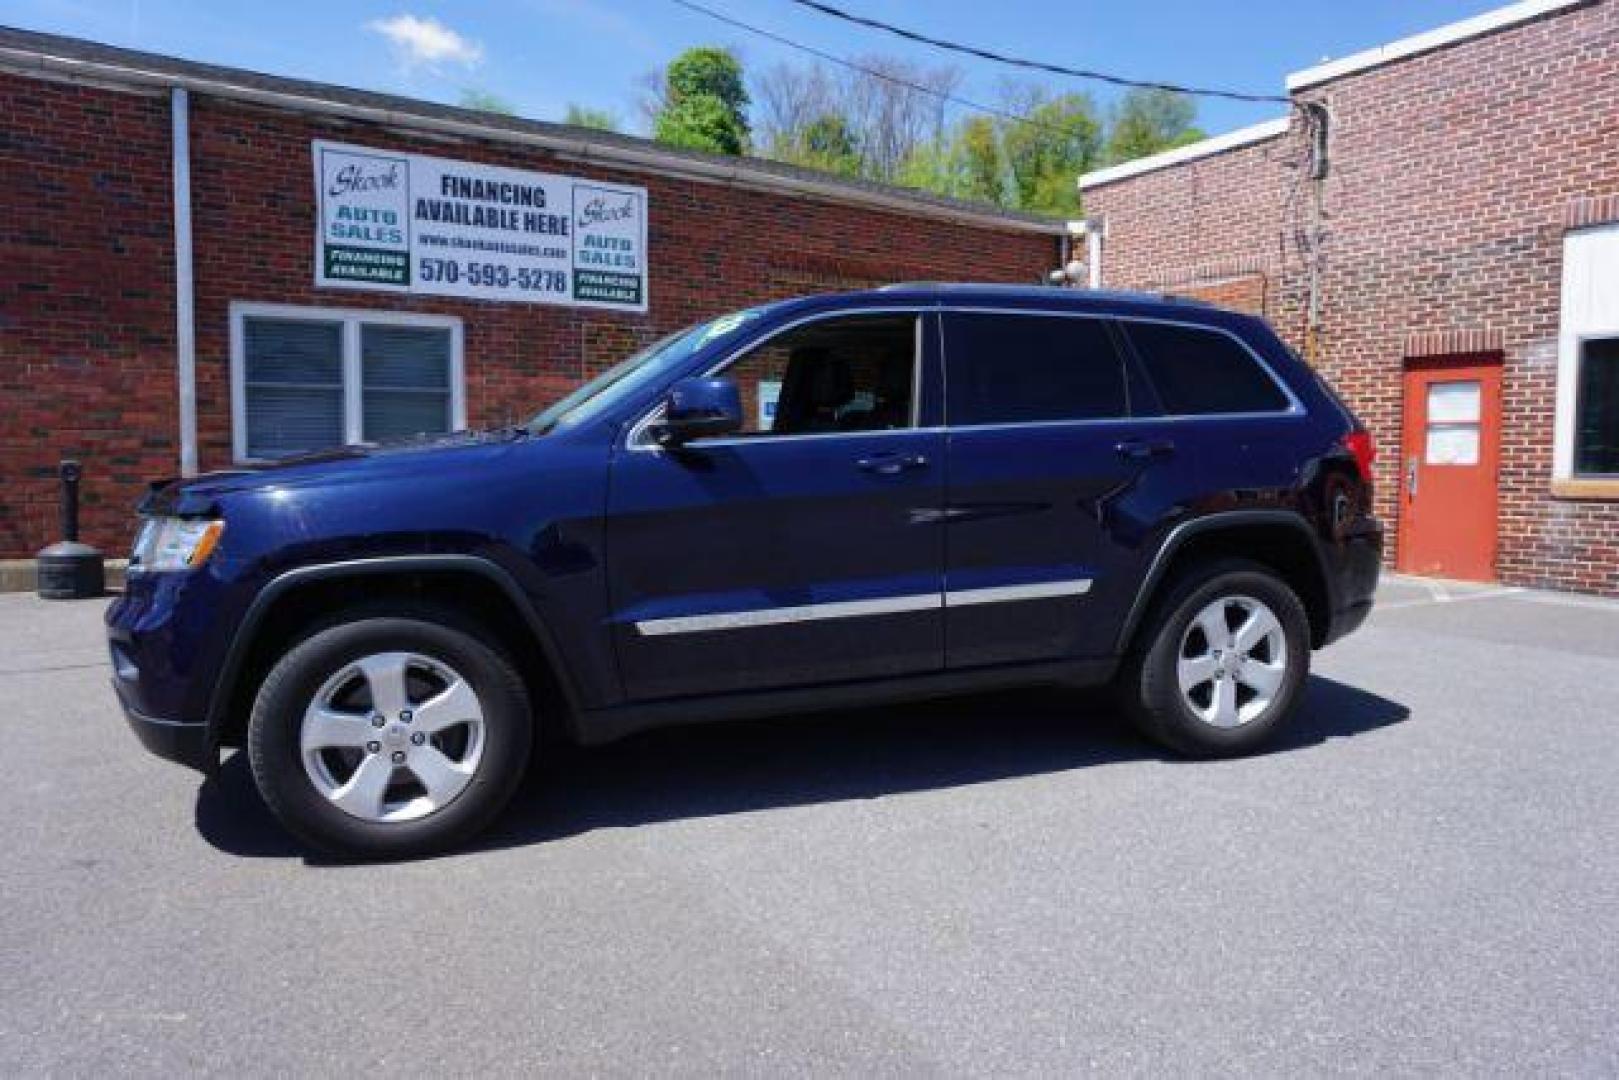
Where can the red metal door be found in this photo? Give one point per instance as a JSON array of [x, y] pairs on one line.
[[1451, 455]]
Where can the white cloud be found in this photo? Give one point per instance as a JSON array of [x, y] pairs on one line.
[[426, 42]]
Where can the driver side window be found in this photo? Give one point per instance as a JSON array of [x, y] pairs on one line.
[[847, 374]]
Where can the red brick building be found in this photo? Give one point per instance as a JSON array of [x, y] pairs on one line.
[[1435, 223], [159, 305]]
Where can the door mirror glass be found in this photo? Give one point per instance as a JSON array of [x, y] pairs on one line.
[[699, 409]]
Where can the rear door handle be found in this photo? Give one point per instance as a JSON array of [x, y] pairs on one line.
[[891, 464], [1145, 449]]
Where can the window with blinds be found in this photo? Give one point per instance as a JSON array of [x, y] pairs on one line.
[[310, 380], [293, 378], [405, 375]]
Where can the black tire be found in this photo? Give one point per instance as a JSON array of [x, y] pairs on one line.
[[273, 735], [1148, 684]]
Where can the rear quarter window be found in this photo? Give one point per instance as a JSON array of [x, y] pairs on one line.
[[1200, 372]]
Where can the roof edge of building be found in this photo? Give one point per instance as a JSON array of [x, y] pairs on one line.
[[1231, 140], [1440, 37], [75, 60]]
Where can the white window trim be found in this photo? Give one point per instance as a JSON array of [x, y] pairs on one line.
[[1577, 326], [352, 319]]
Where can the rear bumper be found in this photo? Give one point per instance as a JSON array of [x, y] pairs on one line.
[[1358, 564], [173, 740]]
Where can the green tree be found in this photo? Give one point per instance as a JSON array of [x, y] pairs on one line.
[[1033, 165], [828, 143], [484, 101], [585, 116], [704, 103], [965, 161], [980, 163], [1150, 121], [931, 166], [1046, 156], [700, 123]]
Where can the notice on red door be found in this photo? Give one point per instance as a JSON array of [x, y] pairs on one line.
[[418, 224]]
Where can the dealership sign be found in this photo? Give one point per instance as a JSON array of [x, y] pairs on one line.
[[409, 223]]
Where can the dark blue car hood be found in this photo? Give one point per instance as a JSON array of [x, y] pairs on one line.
[[200, 495]]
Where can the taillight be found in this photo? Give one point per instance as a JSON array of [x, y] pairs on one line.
[[1363, 449]]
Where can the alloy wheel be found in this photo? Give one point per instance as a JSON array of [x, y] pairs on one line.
[[392, 737], [1232, 661]]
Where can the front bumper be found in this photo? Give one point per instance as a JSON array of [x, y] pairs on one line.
[[165, 640], [173, 740]]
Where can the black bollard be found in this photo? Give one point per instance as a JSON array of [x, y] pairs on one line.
[[69, 570]]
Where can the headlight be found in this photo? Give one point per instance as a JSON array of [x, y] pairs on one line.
[[174, 544]]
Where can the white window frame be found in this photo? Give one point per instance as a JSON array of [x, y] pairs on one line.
[[351, 319], [1589, 311]]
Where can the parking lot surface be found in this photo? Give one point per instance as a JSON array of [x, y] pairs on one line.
[[1422, 877]]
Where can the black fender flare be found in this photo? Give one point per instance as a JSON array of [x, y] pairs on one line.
[[1217, 521], [285, 582]]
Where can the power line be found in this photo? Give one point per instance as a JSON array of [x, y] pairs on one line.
[[910, 84], [1032, 65]]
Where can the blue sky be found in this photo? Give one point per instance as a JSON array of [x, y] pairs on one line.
[[539, 55]]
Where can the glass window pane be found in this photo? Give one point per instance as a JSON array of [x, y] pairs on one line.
[[293, 385], [293, 351], [400, 414], [405, 374], [1453, 402], [1596, 413], [1201, 371], [406, 356], [852, 374], [285, 420], [1452, 444], [1011, 369]]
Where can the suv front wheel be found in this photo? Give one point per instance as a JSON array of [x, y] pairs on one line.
[[1221, 662], [389, 736]]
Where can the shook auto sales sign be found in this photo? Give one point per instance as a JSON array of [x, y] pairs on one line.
[[409, 223]]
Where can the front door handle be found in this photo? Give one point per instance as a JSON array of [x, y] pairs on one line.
[[892, 464], [1145, 449], [1411, 476]]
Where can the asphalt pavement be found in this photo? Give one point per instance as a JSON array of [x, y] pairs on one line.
[[1422, 877]]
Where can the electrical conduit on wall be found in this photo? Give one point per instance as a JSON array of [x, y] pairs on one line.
[[185, 326]]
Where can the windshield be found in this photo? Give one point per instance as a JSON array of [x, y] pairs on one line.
[[628, 376]]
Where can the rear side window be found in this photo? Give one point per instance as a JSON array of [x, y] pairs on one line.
[[1203, 371], [1021, 369]]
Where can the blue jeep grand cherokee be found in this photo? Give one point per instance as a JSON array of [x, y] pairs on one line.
[[812, 504]]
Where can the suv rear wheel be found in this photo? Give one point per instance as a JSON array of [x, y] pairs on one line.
[[389, 737], [1220, 663]]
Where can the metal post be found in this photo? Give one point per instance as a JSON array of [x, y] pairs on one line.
[[70, 471]]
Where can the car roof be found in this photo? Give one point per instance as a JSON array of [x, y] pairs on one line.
[[1047, 297]]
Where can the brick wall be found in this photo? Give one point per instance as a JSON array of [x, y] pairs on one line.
[[1195, 226], [1454, 177], [86, 273], [86, 305]]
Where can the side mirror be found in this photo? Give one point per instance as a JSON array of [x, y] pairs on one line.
[[699, 409]]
